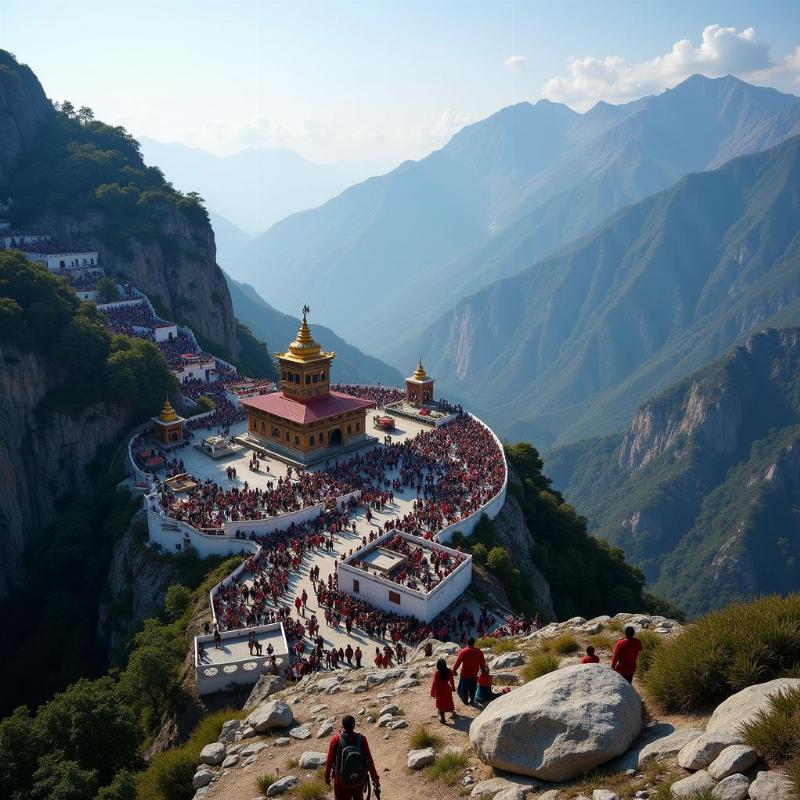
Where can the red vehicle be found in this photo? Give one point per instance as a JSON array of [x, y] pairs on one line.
[[385, 423]]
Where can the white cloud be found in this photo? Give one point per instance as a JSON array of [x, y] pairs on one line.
[[516, 63], [721, 51], [449, 123]]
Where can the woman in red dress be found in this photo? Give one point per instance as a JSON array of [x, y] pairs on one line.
[[442, 688]]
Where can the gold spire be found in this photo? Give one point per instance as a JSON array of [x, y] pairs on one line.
[[304, 348], [167, 412], [419, 372]]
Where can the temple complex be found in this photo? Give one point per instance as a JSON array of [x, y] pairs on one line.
[[305, 421], [168, 425]]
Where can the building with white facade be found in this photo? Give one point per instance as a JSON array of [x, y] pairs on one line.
[[392, 580], [59, 260]]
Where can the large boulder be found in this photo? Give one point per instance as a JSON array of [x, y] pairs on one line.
[[744, 706], [700, 752], [734, 787], [560, 725], [265, 686], [311, 759], [213, 753], [771, 786], [272, 714], [697, 783], [417, 759], [666, 746]]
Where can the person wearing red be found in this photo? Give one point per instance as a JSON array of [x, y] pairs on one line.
[[442, 688], [471, 661], [590, 657], [626, 651], [342, 788]]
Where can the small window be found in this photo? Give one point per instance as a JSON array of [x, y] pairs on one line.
[[311, 439], [276, 433], [394, 597], [358, 426], [253, 424], [297, 440], [308, 379], [349, 428], [356, 586], [288, 438]]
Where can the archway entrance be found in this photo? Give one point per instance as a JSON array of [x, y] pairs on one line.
[[335, 439]]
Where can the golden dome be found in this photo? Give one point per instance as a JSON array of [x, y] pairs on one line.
[[167, 412], [304, 345], [419, 373]]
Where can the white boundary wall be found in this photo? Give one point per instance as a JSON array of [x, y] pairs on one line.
[[244, 671], [425, 606]]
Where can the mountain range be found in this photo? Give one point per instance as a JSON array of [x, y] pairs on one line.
[[700, 489], [253, 188], [503, 194]]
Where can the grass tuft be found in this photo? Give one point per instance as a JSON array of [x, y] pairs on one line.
[[263, 782], [422, 737], [602, 641], [314, 789], [538, 665], [447, 768], [564, 644]]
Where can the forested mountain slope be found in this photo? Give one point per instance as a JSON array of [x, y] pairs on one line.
[[701, 489], [569, 348]]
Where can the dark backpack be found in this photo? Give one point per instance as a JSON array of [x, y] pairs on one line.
[[351, 765]]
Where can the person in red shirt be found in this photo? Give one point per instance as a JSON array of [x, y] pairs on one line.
[[590, 657], [347, 737], [626, 651], [442, 689], [471, 661]]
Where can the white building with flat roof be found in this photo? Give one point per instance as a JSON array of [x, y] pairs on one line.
[[58, 261], [406, 583]]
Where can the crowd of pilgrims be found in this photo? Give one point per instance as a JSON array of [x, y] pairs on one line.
[[453, 469], [422, 568], [121, 319], [380, 395], [225, 413], [82, 280]]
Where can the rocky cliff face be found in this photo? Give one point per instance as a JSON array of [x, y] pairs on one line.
[[23, 106], [41, 459], [183, 281], [700, 489]]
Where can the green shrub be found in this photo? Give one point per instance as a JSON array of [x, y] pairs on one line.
[[422, 737], [725, 652], [314, 789], [168, 776], [650, 643], [447, 768], [538, 665], [263, 782], [479, 553], [602, 641], [564, 645], [775, 731]]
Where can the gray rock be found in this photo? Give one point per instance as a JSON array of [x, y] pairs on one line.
[[698, 782], [390, 709], [282, 785], [202, 778], [492, 786], [213, 753], [700, 752], [326, 729], [666, 746], [406, 683], [301, 732], [733, 759], [270, 714], [384, 720], [229, 730], [247, 732], [311, 759], [202, 794], [604, 794], [417, 759], [561, 725], [550, 794], [512, 793], [281, 741], [467, 780], [770, 785], [397, 724], [230, 761], [265, 686], [253, 749], [734, 787], [507, 660], [743, 706]]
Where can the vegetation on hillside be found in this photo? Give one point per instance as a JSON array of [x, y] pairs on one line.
[[87, 742], [40, 313], [725, 652]]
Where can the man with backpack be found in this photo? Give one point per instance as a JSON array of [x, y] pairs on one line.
[[350, 763]]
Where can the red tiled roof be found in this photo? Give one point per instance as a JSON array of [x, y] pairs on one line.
[[311, 411]]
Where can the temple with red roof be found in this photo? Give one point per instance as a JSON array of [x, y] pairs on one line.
[[305, 420]]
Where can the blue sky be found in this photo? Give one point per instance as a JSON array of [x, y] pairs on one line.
[[377, 81]]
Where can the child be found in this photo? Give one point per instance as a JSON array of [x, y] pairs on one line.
[[485, 693], [590, 657], [442, 688]]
